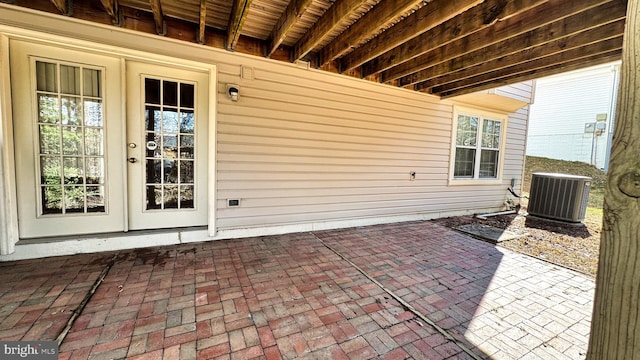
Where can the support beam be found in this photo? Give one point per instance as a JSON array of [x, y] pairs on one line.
[[543, 41], [112, 7], [202, 22], [615, 325], [443, 49], [482, 16], [538, 73], [158, 17], [64, 6], [288, 19], [532, 67], [373, 22], [413, 25], [239, 13], [333, 17]]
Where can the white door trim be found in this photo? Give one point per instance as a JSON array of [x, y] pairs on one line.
[[8, 197], [9, 224]]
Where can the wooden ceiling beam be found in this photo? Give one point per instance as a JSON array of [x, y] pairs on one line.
[[333, 17], [112, 7], [609, 24], [442, 49], [288, 19], [524, 55], [239, 12], [158, 17], [482, 16], [539, 73], [64, 6], [425, 18], [202, 23], [385, 13], [534, 68]]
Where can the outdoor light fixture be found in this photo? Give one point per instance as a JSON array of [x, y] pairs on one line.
[[233, 91]]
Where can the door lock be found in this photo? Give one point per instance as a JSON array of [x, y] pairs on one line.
[[132, 160], [132, 145]]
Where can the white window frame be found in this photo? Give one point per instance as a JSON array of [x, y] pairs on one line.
[[483, 115]]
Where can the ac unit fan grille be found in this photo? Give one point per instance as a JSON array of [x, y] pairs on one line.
[[559, 196]]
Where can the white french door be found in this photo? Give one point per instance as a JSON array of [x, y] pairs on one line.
[[167, 132], [88, 163], [68, 140]]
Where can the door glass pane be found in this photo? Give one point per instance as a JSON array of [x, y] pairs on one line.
[[72, 140], [73, 170], [186, 121], [50, 139], [69, 80], [95, 198], [74, 199], [170, 93], [92, 112], [152, 118], [187, 95], [71, 136], [71, 111], [169, 144], [93, 141], [152, 91], [51, 200], [48, 109], [46, 76], [91, 84]]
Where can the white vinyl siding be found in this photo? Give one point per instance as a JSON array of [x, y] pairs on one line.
[[302, 146], [305, 147], [563, 104]]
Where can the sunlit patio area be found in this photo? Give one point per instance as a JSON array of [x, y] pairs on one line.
[[397, 291]]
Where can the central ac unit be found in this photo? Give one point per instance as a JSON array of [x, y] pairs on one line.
[[559, 196]]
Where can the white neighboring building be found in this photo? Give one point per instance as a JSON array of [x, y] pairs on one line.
[[565, 110]]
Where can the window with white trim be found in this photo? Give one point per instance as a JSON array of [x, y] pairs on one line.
[[478, 145]]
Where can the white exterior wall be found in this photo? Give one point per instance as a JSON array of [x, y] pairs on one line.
[[304, 149], [563, 104]]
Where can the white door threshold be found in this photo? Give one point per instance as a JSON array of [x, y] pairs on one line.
[[82, 244]]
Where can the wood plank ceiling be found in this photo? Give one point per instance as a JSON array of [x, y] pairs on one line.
[[443, 47]]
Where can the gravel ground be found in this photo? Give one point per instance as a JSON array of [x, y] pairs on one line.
[[572, 246]]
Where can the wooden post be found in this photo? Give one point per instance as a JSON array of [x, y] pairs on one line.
[[615, 330]]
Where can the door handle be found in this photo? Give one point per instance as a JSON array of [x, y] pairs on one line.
[[132, 160]]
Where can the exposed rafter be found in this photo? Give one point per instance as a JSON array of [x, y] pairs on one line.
[[203, 21], [403, 60], [239, 13], [511, 52], [112, 7], [520, 23], [444, 47], [287, 20], [158, 17], [64, 6], [380, 17], [535, 69], [333, 17], [413, 25]]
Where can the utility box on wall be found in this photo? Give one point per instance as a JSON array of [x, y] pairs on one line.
[[559, 196]]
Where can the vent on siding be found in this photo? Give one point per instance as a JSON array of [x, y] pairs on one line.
[[559, 196]]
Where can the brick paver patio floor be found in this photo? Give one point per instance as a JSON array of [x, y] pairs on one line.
[[396, 291]]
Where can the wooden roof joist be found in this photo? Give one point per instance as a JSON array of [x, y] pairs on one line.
[[485, 61], [444, 47], [501, 31], [597, 53]]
